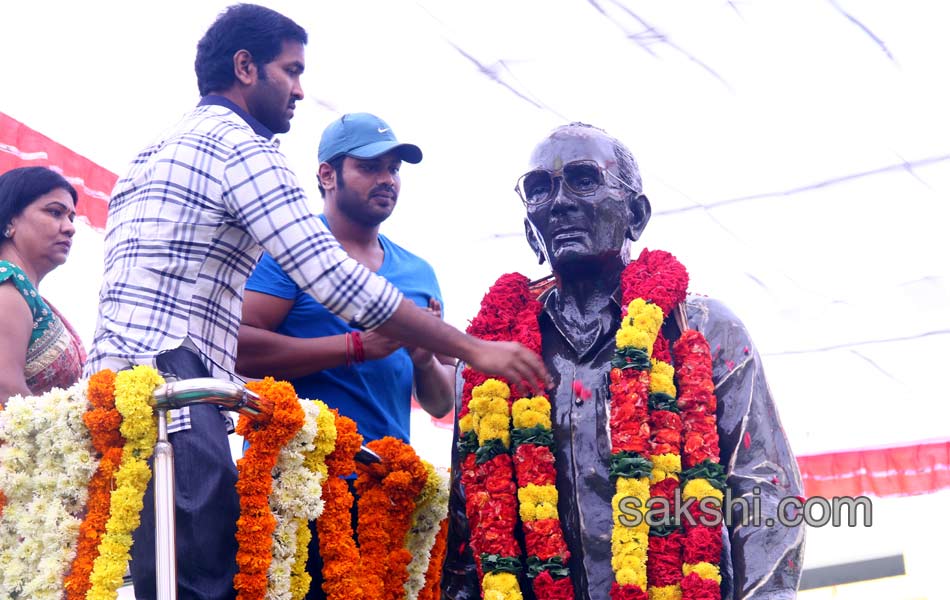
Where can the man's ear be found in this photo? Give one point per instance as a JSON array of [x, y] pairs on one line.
[[533, 240], [639, 206], [245, 69], [327, 176]]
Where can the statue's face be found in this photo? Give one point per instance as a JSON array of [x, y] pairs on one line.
[[580, 230]]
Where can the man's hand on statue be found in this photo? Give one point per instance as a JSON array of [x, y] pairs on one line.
[[376, 345], [522, 368]]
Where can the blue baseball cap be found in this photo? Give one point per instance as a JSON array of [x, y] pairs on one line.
[[362, 135]]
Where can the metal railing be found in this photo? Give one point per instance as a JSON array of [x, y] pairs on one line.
[[178, 394]]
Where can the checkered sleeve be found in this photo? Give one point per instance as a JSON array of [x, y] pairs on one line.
[[261, 191]]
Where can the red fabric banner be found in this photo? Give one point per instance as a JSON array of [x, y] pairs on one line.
[[920, 468], [21, 146]]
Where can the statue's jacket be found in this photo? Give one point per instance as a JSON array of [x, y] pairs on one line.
[[757, 562]]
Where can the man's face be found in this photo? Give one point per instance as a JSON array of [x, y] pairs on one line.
[[577, 230], [369, 188], [272, 98]]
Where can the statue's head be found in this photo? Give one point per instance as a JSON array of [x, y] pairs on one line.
[[584, 200]]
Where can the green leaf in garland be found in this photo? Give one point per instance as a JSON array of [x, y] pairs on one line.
[[489, 450], [555, 565], [537, 435], [630, 358], [468, 443], [494, 563], [629, 465], [661, 401], [712, 472], [663, 530]]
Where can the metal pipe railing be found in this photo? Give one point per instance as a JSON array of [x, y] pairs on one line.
[[178, 394]]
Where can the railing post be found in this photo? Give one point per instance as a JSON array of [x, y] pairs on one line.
[[164, 476]]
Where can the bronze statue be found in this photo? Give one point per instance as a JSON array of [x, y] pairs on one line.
[[585, 207]]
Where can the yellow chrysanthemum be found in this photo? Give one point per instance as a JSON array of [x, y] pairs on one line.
[[661, 378], [667, 592], [666, 465], [633, 576], [501, 586], [700, 488], [467, 423], [631, 337], [300, 579], [491, 388], [494, 427], [705, 570], [628, 486], [531, 412], [537, 502]]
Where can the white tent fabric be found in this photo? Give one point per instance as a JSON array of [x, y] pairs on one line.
[[795, 154]]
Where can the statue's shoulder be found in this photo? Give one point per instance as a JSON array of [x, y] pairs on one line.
[[716, 321]]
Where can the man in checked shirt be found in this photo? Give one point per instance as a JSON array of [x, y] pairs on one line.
[[186, 227]]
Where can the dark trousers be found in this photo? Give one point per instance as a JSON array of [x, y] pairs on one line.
[[206, 503]]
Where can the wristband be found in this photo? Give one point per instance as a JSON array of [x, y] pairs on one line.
[[358, 355]]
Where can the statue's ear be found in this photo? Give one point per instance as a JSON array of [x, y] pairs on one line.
[[639, 206], [533, 241]]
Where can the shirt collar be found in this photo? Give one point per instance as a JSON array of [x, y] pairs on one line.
[[258, 127]]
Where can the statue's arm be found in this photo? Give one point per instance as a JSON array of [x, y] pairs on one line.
[[766, 561], [459, 577]]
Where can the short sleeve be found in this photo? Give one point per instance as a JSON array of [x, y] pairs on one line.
[[268, 278]]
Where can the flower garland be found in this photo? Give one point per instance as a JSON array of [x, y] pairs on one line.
[[256, 523], [294, 501], [705, 476], [432, 507], [430, 590], [387, 491], [46, 462], [342, 567], [103, 421], [510, 312], [649, 430], [315, 462], [134, 400]]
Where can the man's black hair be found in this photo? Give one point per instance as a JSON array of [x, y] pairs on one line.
[[259, 30]]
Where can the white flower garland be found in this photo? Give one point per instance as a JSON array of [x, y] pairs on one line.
[[432, 506], [294, 500], [46, 462]]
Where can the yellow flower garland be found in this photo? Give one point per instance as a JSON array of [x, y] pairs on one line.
[[134, 400]]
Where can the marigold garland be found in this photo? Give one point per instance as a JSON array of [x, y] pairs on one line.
[[294, 501], [430, 591], [134, 400], [314, 461], [432, 507], [103, 421], [493, 453], [256, 523], [342, 567], [387, 491], [654, 437]]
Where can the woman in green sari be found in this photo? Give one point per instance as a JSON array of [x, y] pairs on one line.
[[40, 350]]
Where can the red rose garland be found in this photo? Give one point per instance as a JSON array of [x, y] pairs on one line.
[[653, 436]]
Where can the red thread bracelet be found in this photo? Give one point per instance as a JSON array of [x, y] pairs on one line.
[[358, 355]]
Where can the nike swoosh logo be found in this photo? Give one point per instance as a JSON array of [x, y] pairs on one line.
[[382, 129]]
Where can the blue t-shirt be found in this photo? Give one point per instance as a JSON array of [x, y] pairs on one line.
[[376, 394]]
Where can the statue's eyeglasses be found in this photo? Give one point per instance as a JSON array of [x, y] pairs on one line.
[[581, 177]]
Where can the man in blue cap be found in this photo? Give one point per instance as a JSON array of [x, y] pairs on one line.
[[287, 334]]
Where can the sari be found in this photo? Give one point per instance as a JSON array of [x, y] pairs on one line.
[[55, 355]]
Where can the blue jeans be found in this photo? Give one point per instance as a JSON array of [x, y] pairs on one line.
[[206, 511]]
